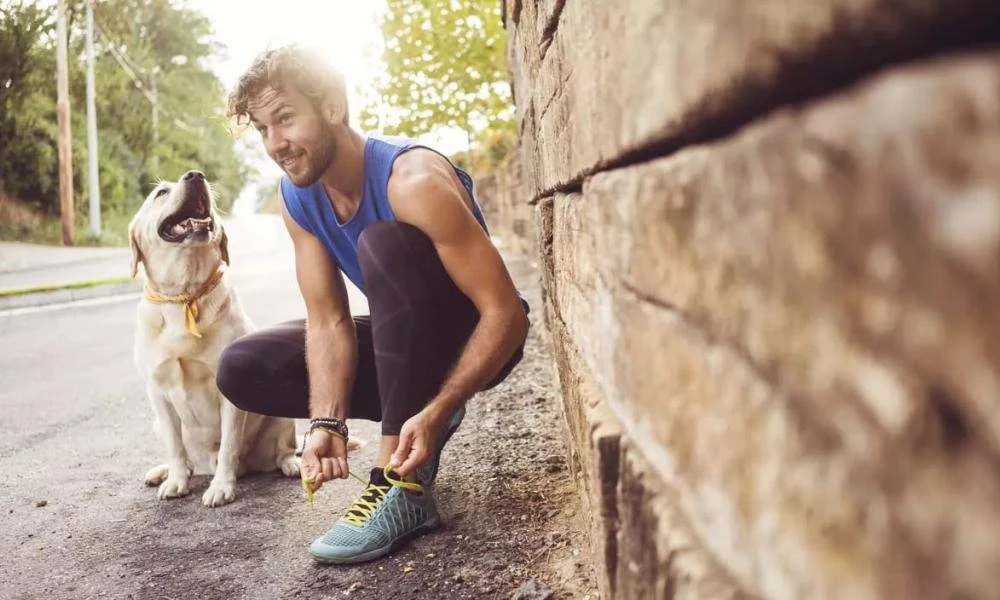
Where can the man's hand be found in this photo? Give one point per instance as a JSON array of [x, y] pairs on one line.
[[416, 442], [324, 457]]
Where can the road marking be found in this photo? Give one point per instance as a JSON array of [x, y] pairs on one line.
[[28, 310]]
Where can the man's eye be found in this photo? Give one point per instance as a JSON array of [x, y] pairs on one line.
[[285, 119]]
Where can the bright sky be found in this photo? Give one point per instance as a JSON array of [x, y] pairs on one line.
[[346, 31]]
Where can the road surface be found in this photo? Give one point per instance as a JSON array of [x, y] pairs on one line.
[[77, 521]]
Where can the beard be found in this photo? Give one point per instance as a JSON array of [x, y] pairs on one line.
[[315, 161]]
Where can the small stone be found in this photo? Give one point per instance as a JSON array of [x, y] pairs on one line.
[[532, 590], [41, 503], [357, 585]]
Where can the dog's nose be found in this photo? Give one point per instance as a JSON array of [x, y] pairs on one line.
[[193, 175]]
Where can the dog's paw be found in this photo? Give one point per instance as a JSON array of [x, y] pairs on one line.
[[156, 475], [219, 493], [290, 466], [174, 487]]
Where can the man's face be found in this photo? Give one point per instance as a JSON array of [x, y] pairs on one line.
[[295, 135]]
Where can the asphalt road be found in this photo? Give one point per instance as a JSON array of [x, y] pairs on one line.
[[77, 522], [76, 440]]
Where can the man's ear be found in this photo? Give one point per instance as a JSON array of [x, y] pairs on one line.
[[136, 252], [224, 245], [335, 112]]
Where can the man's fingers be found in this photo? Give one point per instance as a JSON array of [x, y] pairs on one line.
[[344, 471], [328, 469], [402, 449], [417, 457]]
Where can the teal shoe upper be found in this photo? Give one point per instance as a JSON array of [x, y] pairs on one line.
[[384, 517]]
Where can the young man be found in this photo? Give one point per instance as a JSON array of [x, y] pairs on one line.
[[446, 321]]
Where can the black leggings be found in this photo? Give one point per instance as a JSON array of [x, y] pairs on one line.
[[419, 324]]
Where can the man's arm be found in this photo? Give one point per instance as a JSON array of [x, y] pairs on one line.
[[424, 191], [331, 340]]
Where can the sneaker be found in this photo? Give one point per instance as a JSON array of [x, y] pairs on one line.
[[384, 518]]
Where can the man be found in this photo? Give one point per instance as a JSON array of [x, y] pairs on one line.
[[446, 321]]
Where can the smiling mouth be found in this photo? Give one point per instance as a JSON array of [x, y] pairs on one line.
[[193, 219], [287, 162]]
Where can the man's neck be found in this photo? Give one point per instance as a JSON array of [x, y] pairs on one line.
[[344, 179]]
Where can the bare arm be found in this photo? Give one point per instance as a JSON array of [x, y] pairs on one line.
[[331, 340], [425, 192]]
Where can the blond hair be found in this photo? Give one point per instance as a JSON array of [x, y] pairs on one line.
[[293, 67]]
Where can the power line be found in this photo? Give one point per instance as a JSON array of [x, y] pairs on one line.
[[126, 66]]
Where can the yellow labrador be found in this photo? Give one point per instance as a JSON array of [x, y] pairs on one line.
[[188, 314]]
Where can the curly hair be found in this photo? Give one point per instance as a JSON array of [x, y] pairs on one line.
[[288, 66]]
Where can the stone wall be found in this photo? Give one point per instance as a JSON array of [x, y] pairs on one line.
[[770, 238]]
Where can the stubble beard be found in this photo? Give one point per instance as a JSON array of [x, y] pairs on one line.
[[319, 159]]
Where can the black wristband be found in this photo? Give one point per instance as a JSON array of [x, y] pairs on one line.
[[333, 424]]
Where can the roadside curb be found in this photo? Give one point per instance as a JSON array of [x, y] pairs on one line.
[[69, 295]]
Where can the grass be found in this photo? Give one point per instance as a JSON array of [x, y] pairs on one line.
[[64, 286], [113, 232]]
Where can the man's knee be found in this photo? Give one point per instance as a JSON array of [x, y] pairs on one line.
[[391, 243], [233, 375]]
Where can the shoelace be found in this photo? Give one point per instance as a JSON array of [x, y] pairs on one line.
[[364, 506], [369, 500]]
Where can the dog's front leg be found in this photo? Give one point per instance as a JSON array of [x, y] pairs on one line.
[[223, 487], [173, 480]]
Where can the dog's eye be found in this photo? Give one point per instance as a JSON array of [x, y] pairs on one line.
[[162, 192]]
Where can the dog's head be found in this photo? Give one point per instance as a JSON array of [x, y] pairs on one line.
[[177, 224]]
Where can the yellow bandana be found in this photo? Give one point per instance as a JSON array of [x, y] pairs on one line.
[[188, 300]]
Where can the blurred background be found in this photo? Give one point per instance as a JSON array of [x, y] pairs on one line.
[[162, 68]]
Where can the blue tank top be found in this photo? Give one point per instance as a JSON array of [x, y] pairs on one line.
[[310, 206]]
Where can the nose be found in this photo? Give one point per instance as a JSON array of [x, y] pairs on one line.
[[193, 175]]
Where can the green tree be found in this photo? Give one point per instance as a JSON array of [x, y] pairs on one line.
[[445, 66], [140, 46]]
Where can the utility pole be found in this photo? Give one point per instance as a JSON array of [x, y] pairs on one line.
[[92, 178], [156, 119], [62, 117]]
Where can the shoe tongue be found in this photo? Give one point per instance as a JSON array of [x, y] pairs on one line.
[[378, 477]]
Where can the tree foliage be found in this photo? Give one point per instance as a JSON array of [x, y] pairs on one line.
[[145, 51], [445, 66]]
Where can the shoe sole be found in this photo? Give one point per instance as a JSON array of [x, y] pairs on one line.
[[380, 552]]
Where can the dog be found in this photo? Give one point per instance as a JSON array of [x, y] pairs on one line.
[[188, 314]]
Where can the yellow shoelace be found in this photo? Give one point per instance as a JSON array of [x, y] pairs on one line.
[[362, 506]]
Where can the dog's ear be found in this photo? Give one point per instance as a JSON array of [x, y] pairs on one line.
[[224, 245], [136, 252]]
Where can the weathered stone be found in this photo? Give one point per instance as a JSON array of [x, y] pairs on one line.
[[643, 544], [598, 81], [658, 557], [799, 328]]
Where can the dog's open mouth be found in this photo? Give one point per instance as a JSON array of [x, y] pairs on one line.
[[193, 219]]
